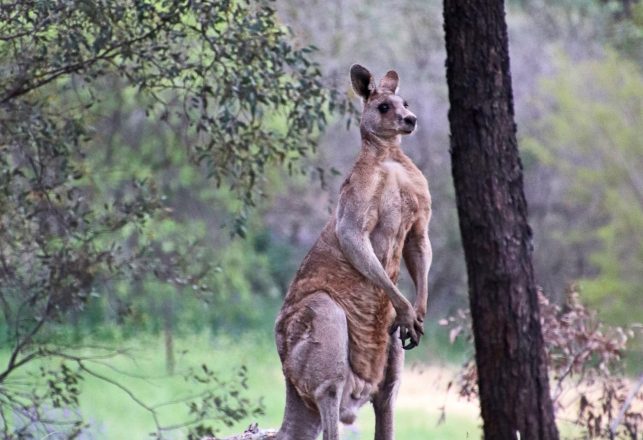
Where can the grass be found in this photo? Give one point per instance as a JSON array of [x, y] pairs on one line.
[[113, 414]]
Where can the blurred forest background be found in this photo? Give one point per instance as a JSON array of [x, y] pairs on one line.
[[182, 262]]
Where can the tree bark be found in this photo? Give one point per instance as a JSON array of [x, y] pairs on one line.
[[487, 173]]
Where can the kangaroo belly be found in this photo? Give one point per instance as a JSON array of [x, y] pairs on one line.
[[369, 315]]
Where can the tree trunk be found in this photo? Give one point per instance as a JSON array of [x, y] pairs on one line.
[[487, 173]]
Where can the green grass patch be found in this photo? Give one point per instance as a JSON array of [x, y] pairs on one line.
[[113, 413]]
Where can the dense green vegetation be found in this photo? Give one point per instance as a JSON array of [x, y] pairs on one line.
[[121, 124], [165, 165], [589, 131]]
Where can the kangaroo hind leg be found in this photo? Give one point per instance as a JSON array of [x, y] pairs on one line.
[[318, 360], [384, 399], [300, 422]]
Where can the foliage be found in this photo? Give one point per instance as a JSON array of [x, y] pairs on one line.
[[626, 27], [585, 359], [214, 400], [588, 130], [192, 230], [226, 66], [614, 23], [226, 83]]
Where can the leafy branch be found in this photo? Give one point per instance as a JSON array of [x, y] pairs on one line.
[[585, 357]]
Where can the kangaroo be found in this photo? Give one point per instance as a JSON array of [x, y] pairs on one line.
[[333, 332]]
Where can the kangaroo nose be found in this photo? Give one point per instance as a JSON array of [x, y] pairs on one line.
[[411, 120]]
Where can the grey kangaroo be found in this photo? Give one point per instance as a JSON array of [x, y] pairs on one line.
[[334, 329]]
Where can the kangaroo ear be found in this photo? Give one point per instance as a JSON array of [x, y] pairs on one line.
[[390, 81], [362, 81]]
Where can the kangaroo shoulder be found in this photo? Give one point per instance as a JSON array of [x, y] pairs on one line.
[[364, 181]]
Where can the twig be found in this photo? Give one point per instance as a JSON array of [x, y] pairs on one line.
[[180, 400], [626, 405], [20, 345], [126, 390]]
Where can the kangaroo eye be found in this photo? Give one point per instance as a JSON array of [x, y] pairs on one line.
[[383, 108], [406, 104]]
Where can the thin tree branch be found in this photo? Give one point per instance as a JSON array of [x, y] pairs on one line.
[[21, 344], [35, 28], [180, 400], [123, 388], [626, 405], [47, 77]]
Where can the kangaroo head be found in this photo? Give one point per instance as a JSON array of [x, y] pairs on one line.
[[385, 114]]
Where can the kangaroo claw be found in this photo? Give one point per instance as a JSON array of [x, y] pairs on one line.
[[408, 340]]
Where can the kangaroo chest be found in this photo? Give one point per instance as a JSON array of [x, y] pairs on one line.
[[398, 205]]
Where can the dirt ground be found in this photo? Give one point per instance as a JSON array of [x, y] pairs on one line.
[[426, 388]]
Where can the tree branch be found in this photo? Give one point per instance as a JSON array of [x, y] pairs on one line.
[[21, 344], [626, 405], [26, 86], [124, 389], [252, 433]]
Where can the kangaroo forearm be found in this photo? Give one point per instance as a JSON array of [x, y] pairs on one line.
[[422, 294], [418, 256], [420, 279], [360, 254]]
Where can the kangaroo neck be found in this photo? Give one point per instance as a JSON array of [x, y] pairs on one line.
[[379, 146]]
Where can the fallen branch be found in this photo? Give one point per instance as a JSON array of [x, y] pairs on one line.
[[261, 435], [252, 433]]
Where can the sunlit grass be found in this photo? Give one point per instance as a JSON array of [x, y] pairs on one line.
[[113, 414]]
